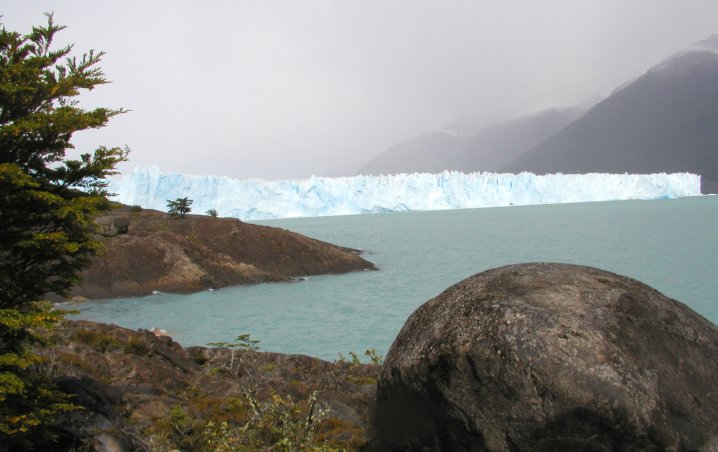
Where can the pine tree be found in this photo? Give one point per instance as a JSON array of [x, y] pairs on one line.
[[179, 207], [47, 202]]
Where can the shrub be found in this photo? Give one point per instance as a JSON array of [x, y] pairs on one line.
[[197, 355], [136, 346], [374, 357], [278, 423], [100, 341]]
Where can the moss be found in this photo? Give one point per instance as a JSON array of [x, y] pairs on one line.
[[220, 409], [340, 434], [197, 355], [77, 362], [100, 341], [361, 380], [136, 346], [268, 367]]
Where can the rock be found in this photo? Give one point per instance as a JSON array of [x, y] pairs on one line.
[[129, 381], [97, 425], [198, 253], [112, 225], [78, 299], [159, 332], [550, 357]]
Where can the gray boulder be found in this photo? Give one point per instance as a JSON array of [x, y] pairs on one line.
[[550, 357], [112, 225]]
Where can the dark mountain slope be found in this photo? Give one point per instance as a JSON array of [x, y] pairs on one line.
[[500, 143], [665, 121], [490, 149], [426, 153]]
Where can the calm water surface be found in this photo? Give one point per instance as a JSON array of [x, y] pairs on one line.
[[671, 245]]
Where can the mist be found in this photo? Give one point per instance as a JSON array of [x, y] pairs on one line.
[[283, 89]]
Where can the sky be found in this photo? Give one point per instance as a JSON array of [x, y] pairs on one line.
[[279, 89]]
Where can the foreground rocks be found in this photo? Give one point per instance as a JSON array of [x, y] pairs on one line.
[[146, 251], [550, 357], [145, 392]]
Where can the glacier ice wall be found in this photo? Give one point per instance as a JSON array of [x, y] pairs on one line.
[[255, 199]]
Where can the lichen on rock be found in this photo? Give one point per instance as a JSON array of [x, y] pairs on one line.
[[550, 357]]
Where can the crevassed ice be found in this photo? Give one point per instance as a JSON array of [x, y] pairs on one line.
[[255, 199]]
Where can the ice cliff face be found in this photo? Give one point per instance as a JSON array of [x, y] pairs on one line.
[[254, 199]]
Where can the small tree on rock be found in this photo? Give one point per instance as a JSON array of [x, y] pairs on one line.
[[244, 342], [179, 207]]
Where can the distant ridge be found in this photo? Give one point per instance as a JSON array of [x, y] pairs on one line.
[[664, 121], [489, 149]]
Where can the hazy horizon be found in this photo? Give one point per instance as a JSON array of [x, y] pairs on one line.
[[292, 89]]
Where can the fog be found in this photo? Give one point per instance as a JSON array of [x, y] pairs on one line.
[[287, 89]]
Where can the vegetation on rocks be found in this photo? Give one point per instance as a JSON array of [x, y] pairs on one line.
[[547, 357], [157, 395], [146, 251]]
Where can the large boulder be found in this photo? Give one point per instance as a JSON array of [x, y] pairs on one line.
[[550, 357]]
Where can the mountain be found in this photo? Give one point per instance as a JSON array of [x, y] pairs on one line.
[[426, 153], [460, 149], [664, 121], [498, 144]]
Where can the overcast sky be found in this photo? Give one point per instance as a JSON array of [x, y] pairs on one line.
[[286, 89]]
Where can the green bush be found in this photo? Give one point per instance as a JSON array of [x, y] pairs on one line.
[[100, 341], [374, 357], [278, 423]]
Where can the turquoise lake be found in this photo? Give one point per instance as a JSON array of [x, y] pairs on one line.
[[671, 245]]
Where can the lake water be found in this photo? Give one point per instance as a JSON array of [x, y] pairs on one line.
[[671, 245]]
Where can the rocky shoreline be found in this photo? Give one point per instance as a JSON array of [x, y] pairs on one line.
[[144, 251], [140, 391], [524, 357]]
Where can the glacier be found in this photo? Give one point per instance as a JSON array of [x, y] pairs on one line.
[[257, 199]]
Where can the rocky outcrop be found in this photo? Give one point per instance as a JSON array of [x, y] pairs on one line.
[[550, 357], [146, 251], [129, 382], [112, 225]]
